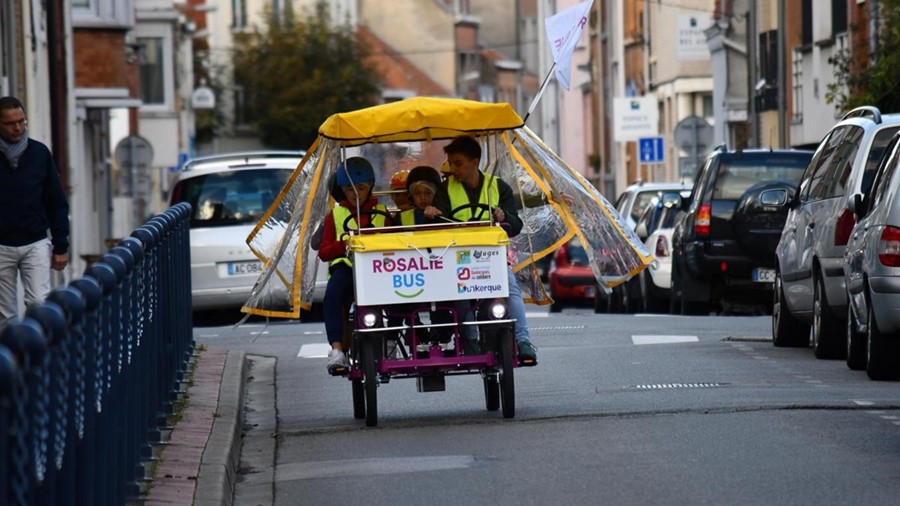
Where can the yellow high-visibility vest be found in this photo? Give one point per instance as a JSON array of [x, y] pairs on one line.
[[340, 214], [490, 194]]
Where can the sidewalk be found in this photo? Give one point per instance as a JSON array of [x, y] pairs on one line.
[[200, 462]]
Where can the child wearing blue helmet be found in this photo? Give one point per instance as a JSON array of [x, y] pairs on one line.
[[355, 178]]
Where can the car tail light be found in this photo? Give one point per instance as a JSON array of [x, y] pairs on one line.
[[843, 227], [662, 246], [701, 224], [889, 247]]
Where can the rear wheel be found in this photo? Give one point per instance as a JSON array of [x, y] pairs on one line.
[[507, 383], [555, 306], [787, 330], [882, 360], [492, 392], [856, 343], [826, 330], [369, 381]]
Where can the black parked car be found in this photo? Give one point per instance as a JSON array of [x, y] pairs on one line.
[[724, 243]]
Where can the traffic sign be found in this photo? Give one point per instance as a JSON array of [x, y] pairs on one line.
[[650, 150]]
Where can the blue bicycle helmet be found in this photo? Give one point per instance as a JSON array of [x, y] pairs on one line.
[[357, 170]]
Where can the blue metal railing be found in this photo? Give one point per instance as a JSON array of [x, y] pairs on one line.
[[89, 377]]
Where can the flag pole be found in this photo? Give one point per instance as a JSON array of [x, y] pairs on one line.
[[539, 93]]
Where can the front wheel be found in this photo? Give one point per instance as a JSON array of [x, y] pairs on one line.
[[826, 329], [882, 360], [787, 330], [492, 392], [370, 384], [507, 383], [359, 399]]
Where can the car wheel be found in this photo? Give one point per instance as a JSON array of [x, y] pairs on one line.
[[881, 352], [555, 306], [787, 330], [856, 342], [826, 329]]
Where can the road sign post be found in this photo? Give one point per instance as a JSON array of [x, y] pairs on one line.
[[651, 150]]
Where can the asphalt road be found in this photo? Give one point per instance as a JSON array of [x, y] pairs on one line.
[[622, 409]]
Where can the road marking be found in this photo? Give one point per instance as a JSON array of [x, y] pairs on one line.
[[208, 335], [537, 315], [864, 403], [663, 339], [317, 350], [313, 333], [370, 467]]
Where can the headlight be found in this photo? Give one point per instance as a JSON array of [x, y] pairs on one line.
[[369, 320], [498, 311]]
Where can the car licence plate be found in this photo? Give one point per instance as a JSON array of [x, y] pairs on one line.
[[240, 268], [764, 275]]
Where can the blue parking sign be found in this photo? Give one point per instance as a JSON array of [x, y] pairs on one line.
[[650, 150]]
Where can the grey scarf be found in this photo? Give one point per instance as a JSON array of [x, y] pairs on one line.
[[13, 151]]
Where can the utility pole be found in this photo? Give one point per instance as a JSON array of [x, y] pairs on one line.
[[751, 74], [781, 79]]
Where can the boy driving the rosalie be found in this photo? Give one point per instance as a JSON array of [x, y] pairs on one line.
[[468, 187], [355, 178]]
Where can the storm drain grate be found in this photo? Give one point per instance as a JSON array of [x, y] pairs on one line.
[[665, 386]]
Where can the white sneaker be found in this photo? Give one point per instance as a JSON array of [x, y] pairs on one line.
[[337, 360]]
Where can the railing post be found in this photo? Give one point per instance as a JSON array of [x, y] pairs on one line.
[[8, 377], [86, 464], [110, 478], [29, 421]]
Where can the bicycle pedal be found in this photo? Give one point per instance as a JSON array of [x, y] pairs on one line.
[[339, 371], [527, 363]]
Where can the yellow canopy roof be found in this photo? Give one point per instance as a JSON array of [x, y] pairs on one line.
[[419, 118]]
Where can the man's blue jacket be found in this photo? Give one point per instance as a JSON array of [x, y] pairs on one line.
[[32, 200]]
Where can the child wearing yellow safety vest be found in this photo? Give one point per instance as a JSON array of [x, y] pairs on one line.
[[355, 178]]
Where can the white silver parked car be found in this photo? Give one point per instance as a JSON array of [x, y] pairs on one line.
[[655, 228], [809, 277], [228, 195], [872, 274]]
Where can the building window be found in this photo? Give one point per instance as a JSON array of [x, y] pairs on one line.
[[105, 13], [797, 78], [806, 22], [239, 13], [838, 17], [707, 101], [768, 56], [151, 72], [241, 108]]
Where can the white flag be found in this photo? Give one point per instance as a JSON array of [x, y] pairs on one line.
[[563, 32]]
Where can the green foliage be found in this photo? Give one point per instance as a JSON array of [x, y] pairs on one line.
[[864, 77], [298, 72]]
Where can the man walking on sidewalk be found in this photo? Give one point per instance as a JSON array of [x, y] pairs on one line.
[[32, 200]]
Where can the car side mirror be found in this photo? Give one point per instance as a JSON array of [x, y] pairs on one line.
[[858, 205], [641, 231], [672, 200]]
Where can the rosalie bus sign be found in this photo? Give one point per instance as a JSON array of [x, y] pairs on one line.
[[453, 273]]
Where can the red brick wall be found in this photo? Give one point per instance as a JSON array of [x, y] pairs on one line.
[[100, 60]]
